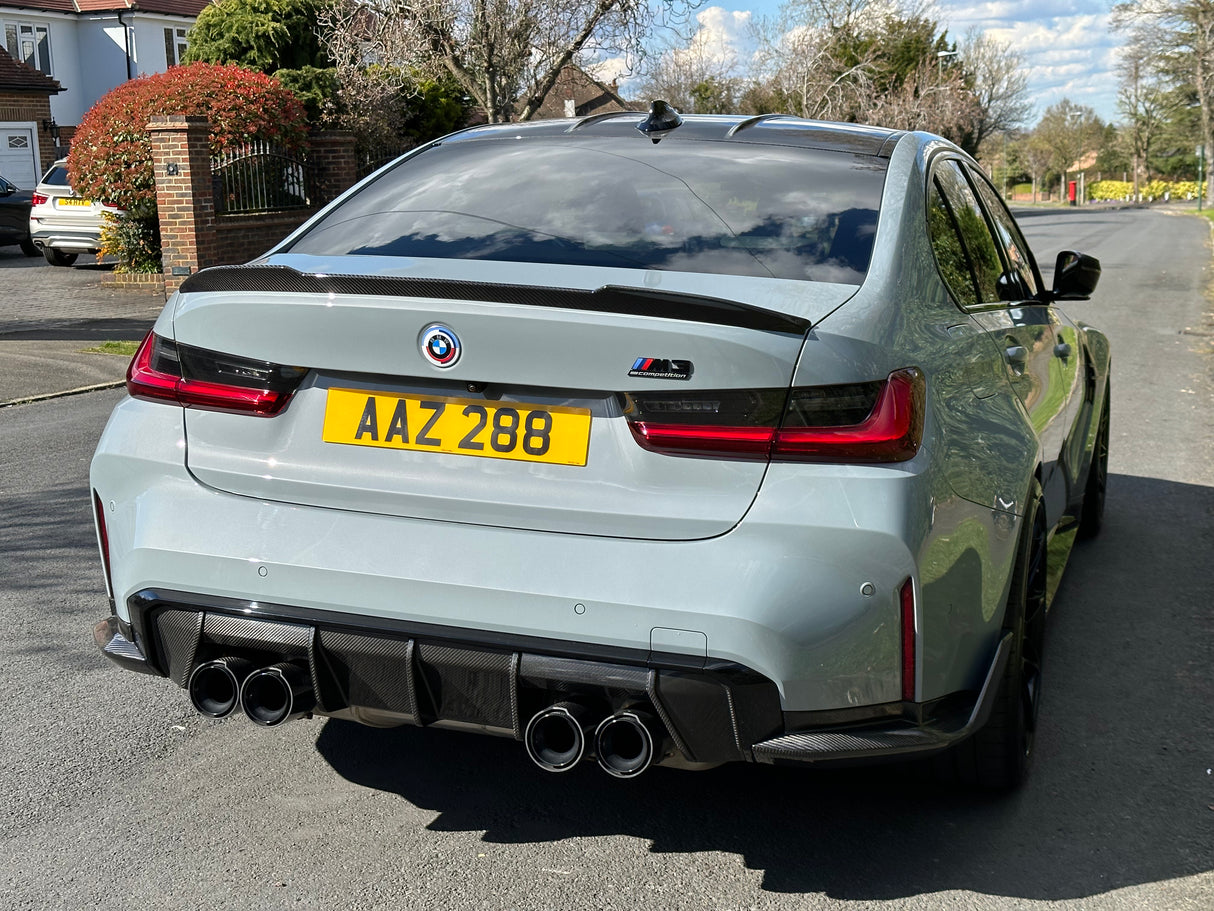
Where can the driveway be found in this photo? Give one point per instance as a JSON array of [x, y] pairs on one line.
[[49, 316]]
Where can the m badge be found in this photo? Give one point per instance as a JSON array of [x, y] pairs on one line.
[[656, 368]]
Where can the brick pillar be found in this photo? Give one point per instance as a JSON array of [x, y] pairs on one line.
[[332, 154], [181, 157]]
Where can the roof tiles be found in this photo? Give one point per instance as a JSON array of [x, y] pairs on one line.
[[17, 76], [189, 8]]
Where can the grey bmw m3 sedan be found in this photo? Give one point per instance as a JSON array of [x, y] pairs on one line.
[[641, 439]]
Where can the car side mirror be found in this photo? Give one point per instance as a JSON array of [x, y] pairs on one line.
[[1075, 276], [7, 189]]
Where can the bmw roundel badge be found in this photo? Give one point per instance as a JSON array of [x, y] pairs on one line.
[[439, 345]]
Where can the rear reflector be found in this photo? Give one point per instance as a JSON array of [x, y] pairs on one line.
[[163, 371], [906, 599], [103, 540], [874, 422]]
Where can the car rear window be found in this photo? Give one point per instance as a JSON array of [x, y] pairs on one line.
[[718, 207], [56, 177]]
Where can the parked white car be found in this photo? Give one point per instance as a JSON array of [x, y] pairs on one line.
[[62, 224]]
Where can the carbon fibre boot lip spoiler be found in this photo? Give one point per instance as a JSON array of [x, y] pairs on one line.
[[628, 301]]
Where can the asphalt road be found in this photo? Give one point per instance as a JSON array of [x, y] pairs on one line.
[[50, 317], [117, 796]]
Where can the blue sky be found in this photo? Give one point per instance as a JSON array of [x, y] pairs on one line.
[[1068, 47]]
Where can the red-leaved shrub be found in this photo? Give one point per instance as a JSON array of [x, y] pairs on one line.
[[111, 157]]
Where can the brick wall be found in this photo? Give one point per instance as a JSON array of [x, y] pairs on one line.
[[239, 238], [192, 237], [181, 160]]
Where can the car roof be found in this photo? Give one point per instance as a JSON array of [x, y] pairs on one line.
[[771, 129]]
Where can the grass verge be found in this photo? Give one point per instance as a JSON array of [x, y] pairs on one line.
[[125, 349]]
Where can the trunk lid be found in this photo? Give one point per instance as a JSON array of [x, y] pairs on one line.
[[545, 352]]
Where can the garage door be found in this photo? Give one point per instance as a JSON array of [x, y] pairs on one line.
[[17, 162]]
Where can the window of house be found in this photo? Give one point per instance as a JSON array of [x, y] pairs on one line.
[[30, 43], [174, 45]]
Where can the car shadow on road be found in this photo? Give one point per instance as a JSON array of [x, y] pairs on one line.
[[71, 330], [1120, 794]]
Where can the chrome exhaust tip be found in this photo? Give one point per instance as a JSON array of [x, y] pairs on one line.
[[214, 687], [625, 744], [276, 694], [555, 737]]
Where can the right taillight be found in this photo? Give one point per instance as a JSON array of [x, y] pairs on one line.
[[877, 421], [38, 199], [890, 431], [165, 371]]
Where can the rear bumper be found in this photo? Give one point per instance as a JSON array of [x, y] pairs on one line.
[[388, 673], [813, 608], [74, 241]]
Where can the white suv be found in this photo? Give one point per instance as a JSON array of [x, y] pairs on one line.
[[62, 224]]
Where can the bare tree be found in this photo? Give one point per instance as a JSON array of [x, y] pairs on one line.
[[929, 100], [999, 85], [694, 77], [1141, 99], [505, 54], [887, 62], [804, 61], [371, 73], [1179, 34]]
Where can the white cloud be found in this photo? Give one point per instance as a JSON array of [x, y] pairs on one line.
[[1068, 48], [723, 36], [612, 69]]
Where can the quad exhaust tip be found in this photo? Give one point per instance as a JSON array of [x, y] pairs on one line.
[[276, 694], [625, 744], [269, 696], [214, 687], [555, 737]]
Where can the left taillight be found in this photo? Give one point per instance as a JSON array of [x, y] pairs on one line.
[[38, 199], [165, 371], [872, 422]]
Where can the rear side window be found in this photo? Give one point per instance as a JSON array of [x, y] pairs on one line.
[[1012, 241], [718, 207], [980, 247], [950, 251]]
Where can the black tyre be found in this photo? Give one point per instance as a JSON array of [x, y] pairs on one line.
[[28, 248], [1091, 520], [997, 757], [58, 257]]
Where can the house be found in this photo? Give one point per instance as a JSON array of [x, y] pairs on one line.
[[86, 48], [26, 145], [578, 94]]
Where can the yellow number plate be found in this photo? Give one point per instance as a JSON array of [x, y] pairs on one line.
[[494, 430], [67, 201]]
